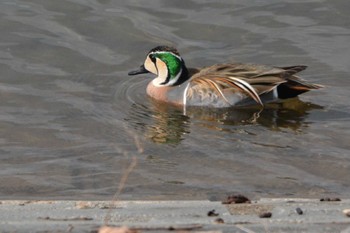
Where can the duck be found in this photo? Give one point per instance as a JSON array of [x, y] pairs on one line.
[[220, 85]]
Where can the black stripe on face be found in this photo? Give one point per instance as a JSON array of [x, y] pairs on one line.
[[166, 80], [153, 58]]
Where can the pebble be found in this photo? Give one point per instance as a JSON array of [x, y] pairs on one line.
[[347, 212], [212, 213], [299, 211], [219, 221], [330, 199], [265, 215], [236, 199]]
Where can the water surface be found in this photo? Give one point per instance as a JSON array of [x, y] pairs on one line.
[[71, 120]]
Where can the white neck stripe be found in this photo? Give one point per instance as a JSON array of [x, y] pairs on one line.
[[174, 80]]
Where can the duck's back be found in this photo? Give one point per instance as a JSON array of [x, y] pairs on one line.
[[226, 85]]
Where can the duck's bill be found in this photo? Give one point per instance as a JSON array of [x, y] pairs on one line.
[[141, 70]]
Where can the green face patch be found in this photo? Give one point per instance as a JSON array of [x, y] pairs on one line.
[[173, 62]]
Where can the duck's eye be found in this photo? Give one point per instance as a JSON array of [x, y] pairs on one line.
[[153, 58]]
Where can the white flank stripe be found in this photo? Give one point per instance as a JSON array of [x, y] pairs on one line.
[[275, 93], [185, 98], [185, 94]]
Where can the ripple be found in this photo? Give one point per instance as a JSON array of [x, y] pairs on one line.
[[132, 90]]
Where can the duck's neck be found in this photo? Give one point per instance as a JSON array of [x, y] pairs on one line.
[[184, 76], [167, 79]]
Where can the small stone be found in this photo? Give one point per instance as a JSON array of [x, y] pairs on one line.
[[106, 229], [236, 199], [212, 213], [265, 215], [347, 212], [299, 211], [219, 221], [330, 199]]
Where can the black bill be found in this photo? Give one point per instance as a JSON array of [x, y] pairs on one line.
[[141, 70]]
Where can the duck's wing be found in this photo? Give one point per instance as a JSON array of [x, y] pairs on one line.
[[251, 81]]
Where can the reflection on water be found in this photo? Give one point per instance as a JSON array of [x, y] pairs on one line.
[[161, 124], [290, 114], [164, 123]]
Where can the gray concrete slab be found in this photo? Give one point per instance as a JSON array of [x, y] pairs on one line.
[[165, 216]]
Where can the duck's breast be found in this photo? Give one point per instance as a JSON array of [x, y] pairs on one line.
[[173, 95]]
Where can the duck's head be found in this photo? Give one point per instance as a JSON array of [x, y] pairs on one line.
[[166, 63]]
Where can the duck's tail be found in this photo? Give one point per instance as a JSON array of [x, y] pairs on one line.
[[294, 85]]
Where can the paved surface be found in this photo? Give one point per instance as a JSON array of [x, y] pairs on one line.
[[178, 216]]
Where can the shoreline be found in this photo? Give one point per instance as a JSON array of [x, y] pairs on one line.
[[263, 215]]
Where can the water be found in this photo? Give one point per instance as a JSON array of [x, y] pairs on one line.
[[71, 120]]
